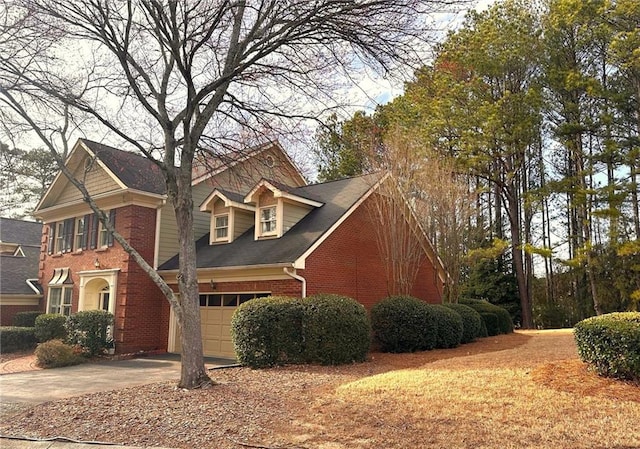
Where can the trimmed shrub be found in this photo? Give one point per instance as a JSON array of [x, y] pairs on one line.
[[25, 319], [336, 330], [404, 324], [13, 339], [504, 323], [56, 354], [449, 326], [268, 331], [449, 323], [611, 344], [89, 330], [50, 326], [471, 322]]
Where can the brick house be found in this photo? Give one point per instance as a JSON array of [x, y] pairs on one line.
[[261, 231], [19, 253]]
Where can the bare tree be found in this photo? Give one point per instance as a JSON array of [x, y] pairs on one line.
[[174, 78]]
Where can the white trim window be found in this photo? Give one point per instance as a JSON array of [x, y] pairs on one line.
[[221, 227], [268, 220], [60, 300]]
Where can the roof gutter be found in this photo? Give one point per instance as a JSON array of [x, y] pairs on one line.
[[33, 287], [297, 277]]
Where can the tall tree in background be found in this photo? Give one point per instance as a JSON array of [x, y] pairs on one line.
[[346, 149], [496, 52], [24, 178], [174, 78]]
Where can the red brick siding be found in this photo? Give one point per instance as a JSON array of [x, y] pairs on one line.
[[285, 287], [8, 312], [349, 263], [140, 321]]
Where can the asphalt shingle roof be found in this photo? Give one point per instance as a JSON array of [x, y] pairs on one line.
[[15, 270], [135, 171], [338, 197]]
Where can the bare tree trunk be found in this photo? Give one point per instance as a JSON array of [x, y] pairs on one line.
[[518, 262]]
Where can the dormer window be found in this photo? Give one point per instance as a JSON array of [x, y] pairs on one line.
[[221, 228], [268, 220]]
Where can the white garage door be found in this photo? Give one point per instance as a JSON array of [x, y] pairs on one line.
[[216, 310]]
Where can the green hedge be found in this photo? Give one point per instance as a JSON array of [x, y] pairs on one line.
[[471, 322], [336, 330], [14, 339], [50, 326], [89, 330], [404, 324], [25, 319], [278, 330], [501, 324], [268, 331], [450, 326], [611, 344]]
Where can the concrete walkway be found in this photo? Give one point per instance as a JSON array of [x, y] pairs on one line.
[[19, 390]]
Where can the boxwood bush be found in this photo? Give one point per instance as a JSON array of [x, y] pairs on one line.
[[449, 324], [50, 326], [404, 324], [13, 338], [471, 322], [268, 331], [278, 330], [611, 344], [501, 324], [26, 319], [336, 330], [88, 329]]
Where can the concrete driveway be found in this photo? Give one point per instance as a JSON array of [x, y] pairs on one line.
[[21, 390], [34, 387]]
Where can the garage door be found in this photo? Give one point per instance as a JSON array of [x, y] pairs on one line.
[[216, 310]]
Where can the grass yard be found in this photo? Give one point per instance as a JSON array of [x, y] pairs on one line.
[[521, 390]]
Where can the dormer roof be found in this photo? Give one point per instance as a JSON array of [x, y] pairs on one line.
[[338, 200], [230, 199], [281, 191]]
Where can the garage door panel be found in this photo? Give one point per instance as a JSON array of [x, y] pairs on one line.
[[216, 311]]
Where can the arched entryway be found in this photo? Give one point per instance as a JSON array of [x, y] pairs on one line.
[[98, 290]]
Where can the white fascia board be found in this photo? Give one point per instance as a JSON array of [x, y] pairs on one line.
[[227, 202], [297, 199]]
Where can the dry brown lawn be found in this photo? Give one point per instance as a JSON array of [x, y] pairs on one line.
[[521, 390]]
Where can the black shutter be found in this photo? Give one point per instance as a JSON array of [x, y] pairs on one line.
[[112, 220], [93, 233], [52, 238]]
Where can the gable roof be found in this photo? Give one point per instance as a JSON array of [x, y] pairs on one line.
[[338, 197], [206, 166], [229, 198], [15, 270], [281, 191], [133, 170]]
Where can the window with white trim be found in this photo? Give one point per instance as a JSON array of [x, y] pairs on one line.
[[221, 228], [268, 220], [81, 233], [105, 238], [60, 300]]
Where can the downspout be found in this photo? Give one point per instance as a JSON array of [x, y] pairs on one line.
[[33, 287], [297, 277]]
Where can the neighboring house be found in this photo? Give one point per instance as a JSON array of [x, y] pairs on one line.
[[261, 231], [19, 256]]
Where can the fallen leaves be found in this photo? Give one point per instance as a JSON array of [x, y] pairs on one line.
[[521, 390]]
